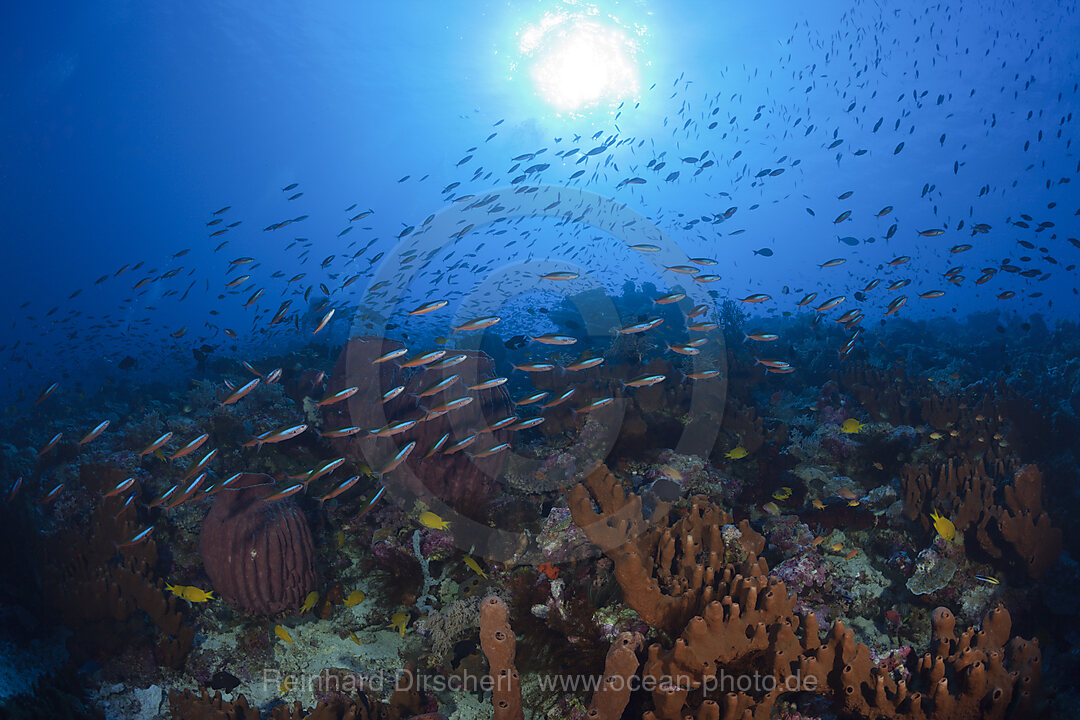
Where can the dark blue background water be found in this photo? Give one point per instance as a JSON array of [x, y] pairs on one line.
[[126, 124]]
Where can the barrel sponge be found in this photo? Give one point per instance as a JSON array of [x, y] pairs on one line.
[[258, 555]]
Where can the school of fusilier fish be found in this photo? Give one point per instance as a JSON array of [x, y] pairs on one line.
[[685, 204], [711, 135]]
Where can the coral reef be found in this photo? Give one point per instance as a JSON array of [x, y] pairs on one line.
[[656, 565], [932, 572], [94, 592], [403, 704], [744, 622], [1000, 518]]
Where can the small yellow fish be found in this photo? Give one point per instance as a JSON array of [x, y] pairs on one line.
[[474, 566], [850, 426], [309, 601], [818, 505], [836, 547], [283, 634], [352, 636], [737, 454], [160, 455], [770, 507], [431, 520], [190, 593], [936, 435], [355, 598], [988, 579], [944, 526], [399, 621], [782, 494], [339, 539]]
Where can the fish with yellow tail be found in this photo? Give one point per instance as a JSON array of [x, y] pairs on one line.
[[283, 634], [737, 454], [474, 566], [399, 621], [430, 520], [944, 526], [190, 593], [850, 426], [309, 601]]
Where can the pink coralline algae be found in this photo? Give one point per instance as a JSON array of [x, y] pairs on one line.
[[437, 544], [695, 476], [258, 555], [560, 540], [788, 533], [802, 573], [838, 444]]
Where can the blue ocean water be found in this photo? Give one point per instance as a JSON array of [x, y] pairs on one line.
[[128, 124], [191, 186]]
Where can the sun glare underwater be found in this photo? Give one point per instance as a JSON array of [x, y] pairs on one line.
[[578, 61], [558, 359]]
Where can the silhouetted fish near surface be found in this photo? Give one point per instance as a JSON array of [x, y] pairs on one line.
[[516, 343]]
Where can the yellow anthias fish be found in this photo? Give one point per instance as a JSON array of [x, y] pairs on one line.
[[283, 634], [431, 520], [309, 601], [782, 494], [355, 598], [737, 454], [474, 566], [944, 526], [818, 505], [850, 426], [190, 593], [399, 621]]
